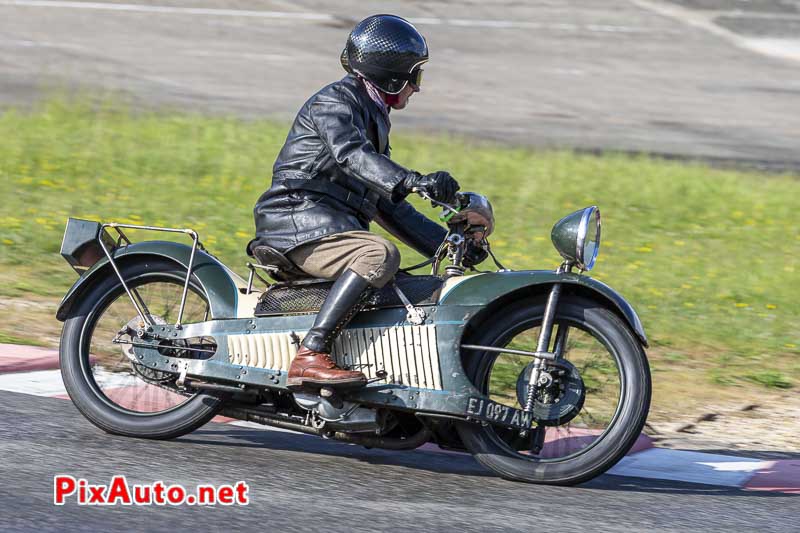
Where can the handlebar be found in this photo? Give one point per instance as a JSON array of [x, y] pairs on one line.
[[453, 210]]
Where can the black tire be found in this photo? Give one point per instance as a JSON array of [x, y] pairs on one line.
[[76, 367], [484, 442]]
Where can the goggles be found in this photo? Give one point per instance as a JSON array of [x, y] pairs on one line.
[[415, 77], [390, 82], [399, 81]]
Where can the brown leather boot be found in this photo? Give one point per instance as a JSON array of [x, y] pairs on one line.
[[311, 369], [313, 366]]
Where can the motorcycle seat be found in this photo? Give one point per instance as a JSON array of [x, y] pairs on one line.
[[280, 267]]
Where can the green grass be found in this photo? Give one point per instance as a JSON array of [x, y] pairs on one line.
[[770, 378], [12, 339], [709, 258]]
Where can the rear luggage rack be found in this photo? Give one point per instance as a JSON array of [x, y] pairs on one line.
[[84, 239]]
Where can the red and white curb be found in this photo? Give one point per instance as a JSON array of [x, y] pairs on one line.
[[32, 370]]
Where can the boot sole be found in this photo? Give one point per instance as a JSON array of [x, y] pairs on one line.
[[303, 383]]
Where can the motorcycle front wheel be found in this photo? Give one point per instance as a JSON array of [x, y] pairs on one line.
[[602, 424], [98, 366]]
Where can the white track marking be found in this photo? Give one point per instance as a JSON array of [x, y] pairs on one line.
[[143, 8], [784, 48], [757, 15], [324, 17], [691, 467], [25, 43], [239, 55], [49, 382], [40, 383], [704, 20]]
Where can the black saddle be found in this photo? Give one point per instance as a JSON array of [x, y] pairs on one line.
[[279, 266]]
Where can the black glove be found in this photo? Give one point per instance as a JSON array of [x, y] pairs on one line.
[[440, 186], [474, 254]]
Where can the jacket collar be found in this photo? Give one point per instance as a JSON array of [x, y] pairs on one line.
[[375, 113]]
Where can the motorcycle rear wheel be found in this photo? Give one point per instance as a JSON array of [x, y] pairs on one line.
[[502, 450], [172, 413]]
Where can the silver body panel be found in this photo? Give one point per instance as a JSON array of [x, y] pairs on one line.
[[407, 354]]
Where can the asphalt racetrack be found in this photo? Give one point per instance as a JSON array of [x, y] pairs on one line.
[[716, 79], [303, 483]]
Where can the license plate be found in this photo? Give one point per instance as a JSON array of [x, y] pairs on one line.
[[497, 413]]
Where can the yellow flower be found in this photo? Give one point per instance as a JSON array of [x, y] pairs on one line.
[[742, 304], [772, 306], [644, 249], [790, 345], [242, 234], [686, 286], [679, 243], [688, 304], [8, 241]]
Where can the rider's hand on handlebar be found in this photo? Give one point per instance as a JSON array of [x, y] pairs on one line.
[[440, 186]]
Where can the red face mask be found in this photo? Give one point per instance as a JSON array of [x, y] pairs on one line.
[[391, 99]]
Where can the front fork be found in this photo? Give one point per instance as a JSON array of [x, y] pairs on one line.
[[542, 350]]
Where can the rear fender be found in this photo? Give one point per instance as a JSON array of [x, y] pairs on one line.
[[495, 290], [220, 284]]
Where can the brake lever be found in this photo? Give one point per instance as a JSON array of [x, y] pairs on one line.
[[445, 216]]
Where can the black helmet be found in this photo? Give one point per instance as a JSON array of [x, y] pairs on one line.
[[387, 50]]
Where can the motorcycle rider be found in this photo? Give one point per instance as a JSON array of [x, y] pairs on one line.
[[334, 176]]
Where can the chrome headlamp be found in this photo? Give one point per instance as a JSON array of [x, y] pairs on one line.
[[476, 212], [577, 237]]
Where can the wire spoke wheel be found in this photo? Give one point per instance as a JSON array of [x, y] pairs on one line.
[[590, 405], [111, 364], [99, 365], [601, 383]]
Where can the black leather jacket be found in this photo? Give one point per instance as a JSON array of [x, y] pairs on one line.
[[334, 174]]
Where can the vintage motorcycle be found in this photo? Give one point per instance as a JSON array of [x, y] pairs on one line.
[[541, 375]]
